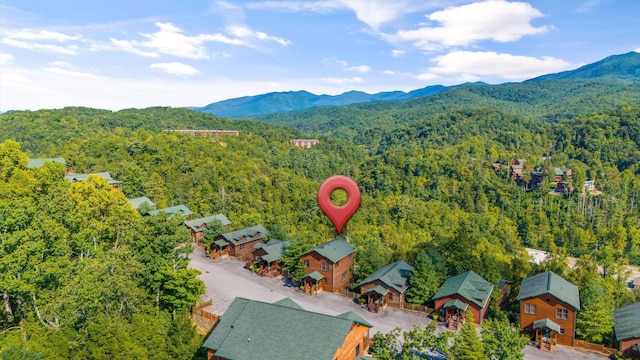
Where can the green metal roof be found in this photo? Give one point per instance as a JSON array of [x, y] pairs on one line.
[[469, 285], [172, 210], [275, 250], [395, 275], [196, 223], [315, 275], [39, 162], [221, 243], [288, 303], [245, 235], [546, 324], [350, 315], [456, 303], [252, 329], [378, 289], [552, 284], [627, 322], [84, 177], [137, 202], [334, 250]]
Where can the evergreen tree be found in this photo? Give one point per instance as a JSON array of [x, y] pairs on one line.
[[503, 341], [594, 321], [424, 280], [468, 345]]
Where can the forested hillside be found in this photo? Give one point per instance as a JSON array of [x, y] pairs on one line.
[[427, 185]]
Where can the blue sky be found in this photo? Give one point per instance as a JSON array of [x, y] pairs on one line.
[[141, 53]]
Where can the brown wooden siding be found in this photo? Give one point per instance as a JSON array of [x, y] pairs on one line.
[[546, 306], [478, 313], [393, 296], [333, 275], [243, 251], [627, 344], [356, 336]]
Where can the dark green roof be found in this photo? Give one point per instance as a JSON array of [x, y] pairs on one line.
[[275, 250], [196, 223], [172, 210], [137, 202], [552, 284], [315, 275], [378, 289], [252, 329], [456, 303], [84, 177], [627, 322], [394, 275], [221, 243], [288, 303], [334, 250], [469, 285], [245, 235], [546, 324], [350, 315], [34, 163]]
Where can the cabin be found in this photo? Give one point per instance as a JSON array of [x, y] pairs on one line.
[[548, 305], [496, 167], [561, 175], [268, 256], [304, 143], [328, 266], [589, 187], [627, 329], [256, 330], [537, 177], [460, 294], [172, 210], [74, 177], [386, 285], [39, 162], [136, 203], [198, 226], [239, 244], [516, 171]]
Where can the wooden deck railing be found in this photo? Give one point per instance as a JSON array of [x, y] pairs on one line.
[[581, 344]]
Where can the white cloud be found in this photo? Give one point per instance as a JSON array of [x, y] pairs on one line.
[[496, 20], [506, 66], [33, 34], [359, 68], [397, 53], [375, 13], [130, 46], [5, 59], [297, 6], [388, 72], [637, 50], [427, 76], [69, 50], [176, 68], [246, 33], [588, 5], [67, 70], [342, 81]]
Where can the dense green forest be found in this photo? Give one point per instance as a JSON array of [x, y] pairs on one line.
[[426, 180]]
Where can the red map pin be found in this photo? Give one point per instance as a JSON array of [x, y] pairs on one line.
[[339, 215]]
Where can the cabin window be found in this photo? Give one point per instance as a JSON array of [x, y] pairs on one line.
[[324, 266], [390, 297], [242, 247], [562, 331], [529, 308], [562, 314], [358, 350], [337, 263], [351, 256], [344, 275], [306, 263]]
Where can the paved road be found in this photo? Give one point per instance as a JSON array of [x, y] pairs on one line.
[[226, 279]]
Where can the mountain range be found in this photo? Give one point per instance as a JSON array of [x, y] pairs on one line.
[[622, 69]]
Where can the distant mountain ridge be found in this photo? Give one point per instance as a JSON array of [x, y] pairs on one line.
[[621, 68]]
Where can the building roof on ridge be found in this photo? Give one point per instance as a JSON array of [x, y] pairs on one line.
[[552, 284], [469, 285], [334, 250], [395, 275], [195, 224]]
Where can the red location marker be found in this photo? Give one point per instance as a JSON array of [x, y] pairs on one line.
[[339, 215]]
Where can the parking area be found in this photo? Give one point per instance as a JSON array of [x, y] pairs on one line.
[[226, 279]]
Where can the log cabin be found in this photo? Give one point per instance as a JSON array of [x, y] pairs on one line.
[[329, 266], [252, 329], [269, 255], [627, 328], [460, 294], [548, 305], [172, 210], [198, 226], [240, 243], [386, 285]]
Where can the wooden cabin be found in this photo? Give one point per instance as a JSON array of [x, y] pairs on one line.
[[39, 162], [386, 285], [255, 330], [199, 226], [240, 243], [627, 328], [333, 261], [74, 177], [172, 210], [268, 256], [548, 305], [136, 203], [460, 294]]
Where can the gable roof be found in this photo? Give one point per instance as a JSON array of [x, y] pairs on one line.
[[627, 322], [39, 162], [274, 249], [137, 202], [195, 224], [469, 285], [395, 275], [552, 284], [178, 209], [252, 329], [334, 250], [245, 235], [84, 177]]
